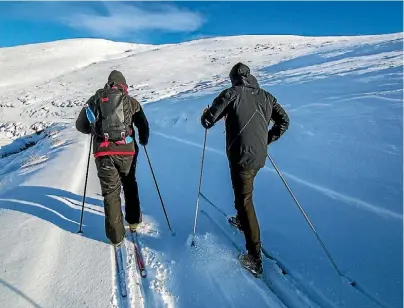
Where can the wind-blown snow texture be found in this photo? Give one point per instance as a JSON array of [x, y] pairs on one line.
[[342, 156]]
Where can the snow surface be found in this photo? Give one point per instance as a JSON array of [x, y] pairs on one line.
[[342, 156]]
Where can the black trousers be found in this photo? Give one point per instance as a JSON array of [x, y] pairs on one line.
[[114, 171], [243, 186]]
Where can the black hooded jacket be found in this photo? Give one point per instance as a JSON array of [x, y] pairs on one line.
[[134, 115], [248, 110]]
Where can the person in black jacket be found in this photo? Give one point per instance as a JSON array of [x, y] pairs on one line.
[[247, 110], [116, 161]]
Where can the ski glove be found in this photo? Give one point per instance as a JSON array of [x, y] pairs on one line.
[[272, 137], [207, 119], [143, 142]]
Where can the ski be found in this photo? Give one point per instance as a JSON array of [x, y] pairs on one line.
[[139, 258], [264, 251], [120, 270], [275, 287]]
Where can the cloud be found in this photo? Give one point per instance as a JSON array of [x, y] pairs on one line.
[[113, 19], [123, 18]]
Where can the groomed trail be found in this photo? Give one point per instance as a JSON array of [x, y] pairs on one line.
[[342, 156], [165, 269]]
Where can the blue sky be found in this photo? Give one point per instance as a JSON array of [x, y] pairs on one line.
[[172, 22]]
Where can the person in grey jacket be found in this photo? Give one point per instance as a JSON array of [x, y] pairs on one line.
[[248, 111]]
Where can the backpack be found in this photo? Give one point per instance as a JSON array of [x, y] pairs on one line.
[[109, 116]]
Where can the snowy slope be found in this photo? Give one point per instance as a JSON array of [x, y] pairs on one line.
[[38, 63], [342, 156]]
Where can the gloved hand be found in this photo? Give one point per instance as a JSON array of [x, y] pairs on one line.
[[143, 142], [206, 119]]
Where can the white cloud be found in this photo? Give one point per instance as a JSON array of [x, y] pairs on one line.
[[116, 20], [124, 18]]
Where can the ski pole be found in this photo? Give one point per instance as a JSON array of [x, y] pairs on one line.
[[307, 219], [158, 190], [85, 185], [199, 188]]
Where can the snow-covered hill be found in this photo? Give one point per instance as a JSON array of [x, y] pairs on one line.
[[342, 156]]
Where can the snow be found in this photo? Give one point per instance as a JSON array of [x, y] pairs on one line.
[[342, 157], [57, 58]]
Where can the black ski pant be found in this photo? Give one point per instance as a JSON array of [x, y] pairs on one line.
[[114, 171], [243, 186]]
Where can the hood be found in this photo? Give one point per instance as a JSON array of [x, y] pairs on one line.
[[240, 76], [117, 78]]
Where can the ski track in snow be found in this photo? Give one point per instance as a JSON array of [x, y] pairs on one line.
[[134, 297], [281, 285], [162, 274], [326, 191], [116, 298], [133, 277], [38, 144], [158, 268]]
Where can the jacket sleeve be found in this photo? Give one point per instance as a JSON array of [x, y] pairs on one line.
[[281, 122], [82, 123], [140, 121], [218, 109]]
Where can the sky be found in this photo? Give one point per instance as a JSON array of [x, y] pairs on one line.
[[172, 22]]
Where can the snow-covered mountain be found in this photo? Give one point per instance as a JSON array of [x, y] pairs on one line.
[[342, 156]]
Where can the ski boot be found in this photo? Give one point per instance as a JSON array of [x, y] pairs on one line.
[[117, 245], [251, 263], [235, 222], [133, 227]]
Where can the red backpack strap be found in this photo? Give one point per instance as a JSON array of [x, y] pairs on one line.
[[125, 89]]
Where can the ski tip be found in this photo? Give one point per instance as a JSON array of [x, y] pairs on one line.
[[254, 273]]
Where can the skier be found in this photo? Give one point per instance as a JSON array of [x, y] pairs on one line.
[[115, 151], [247, 110]]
